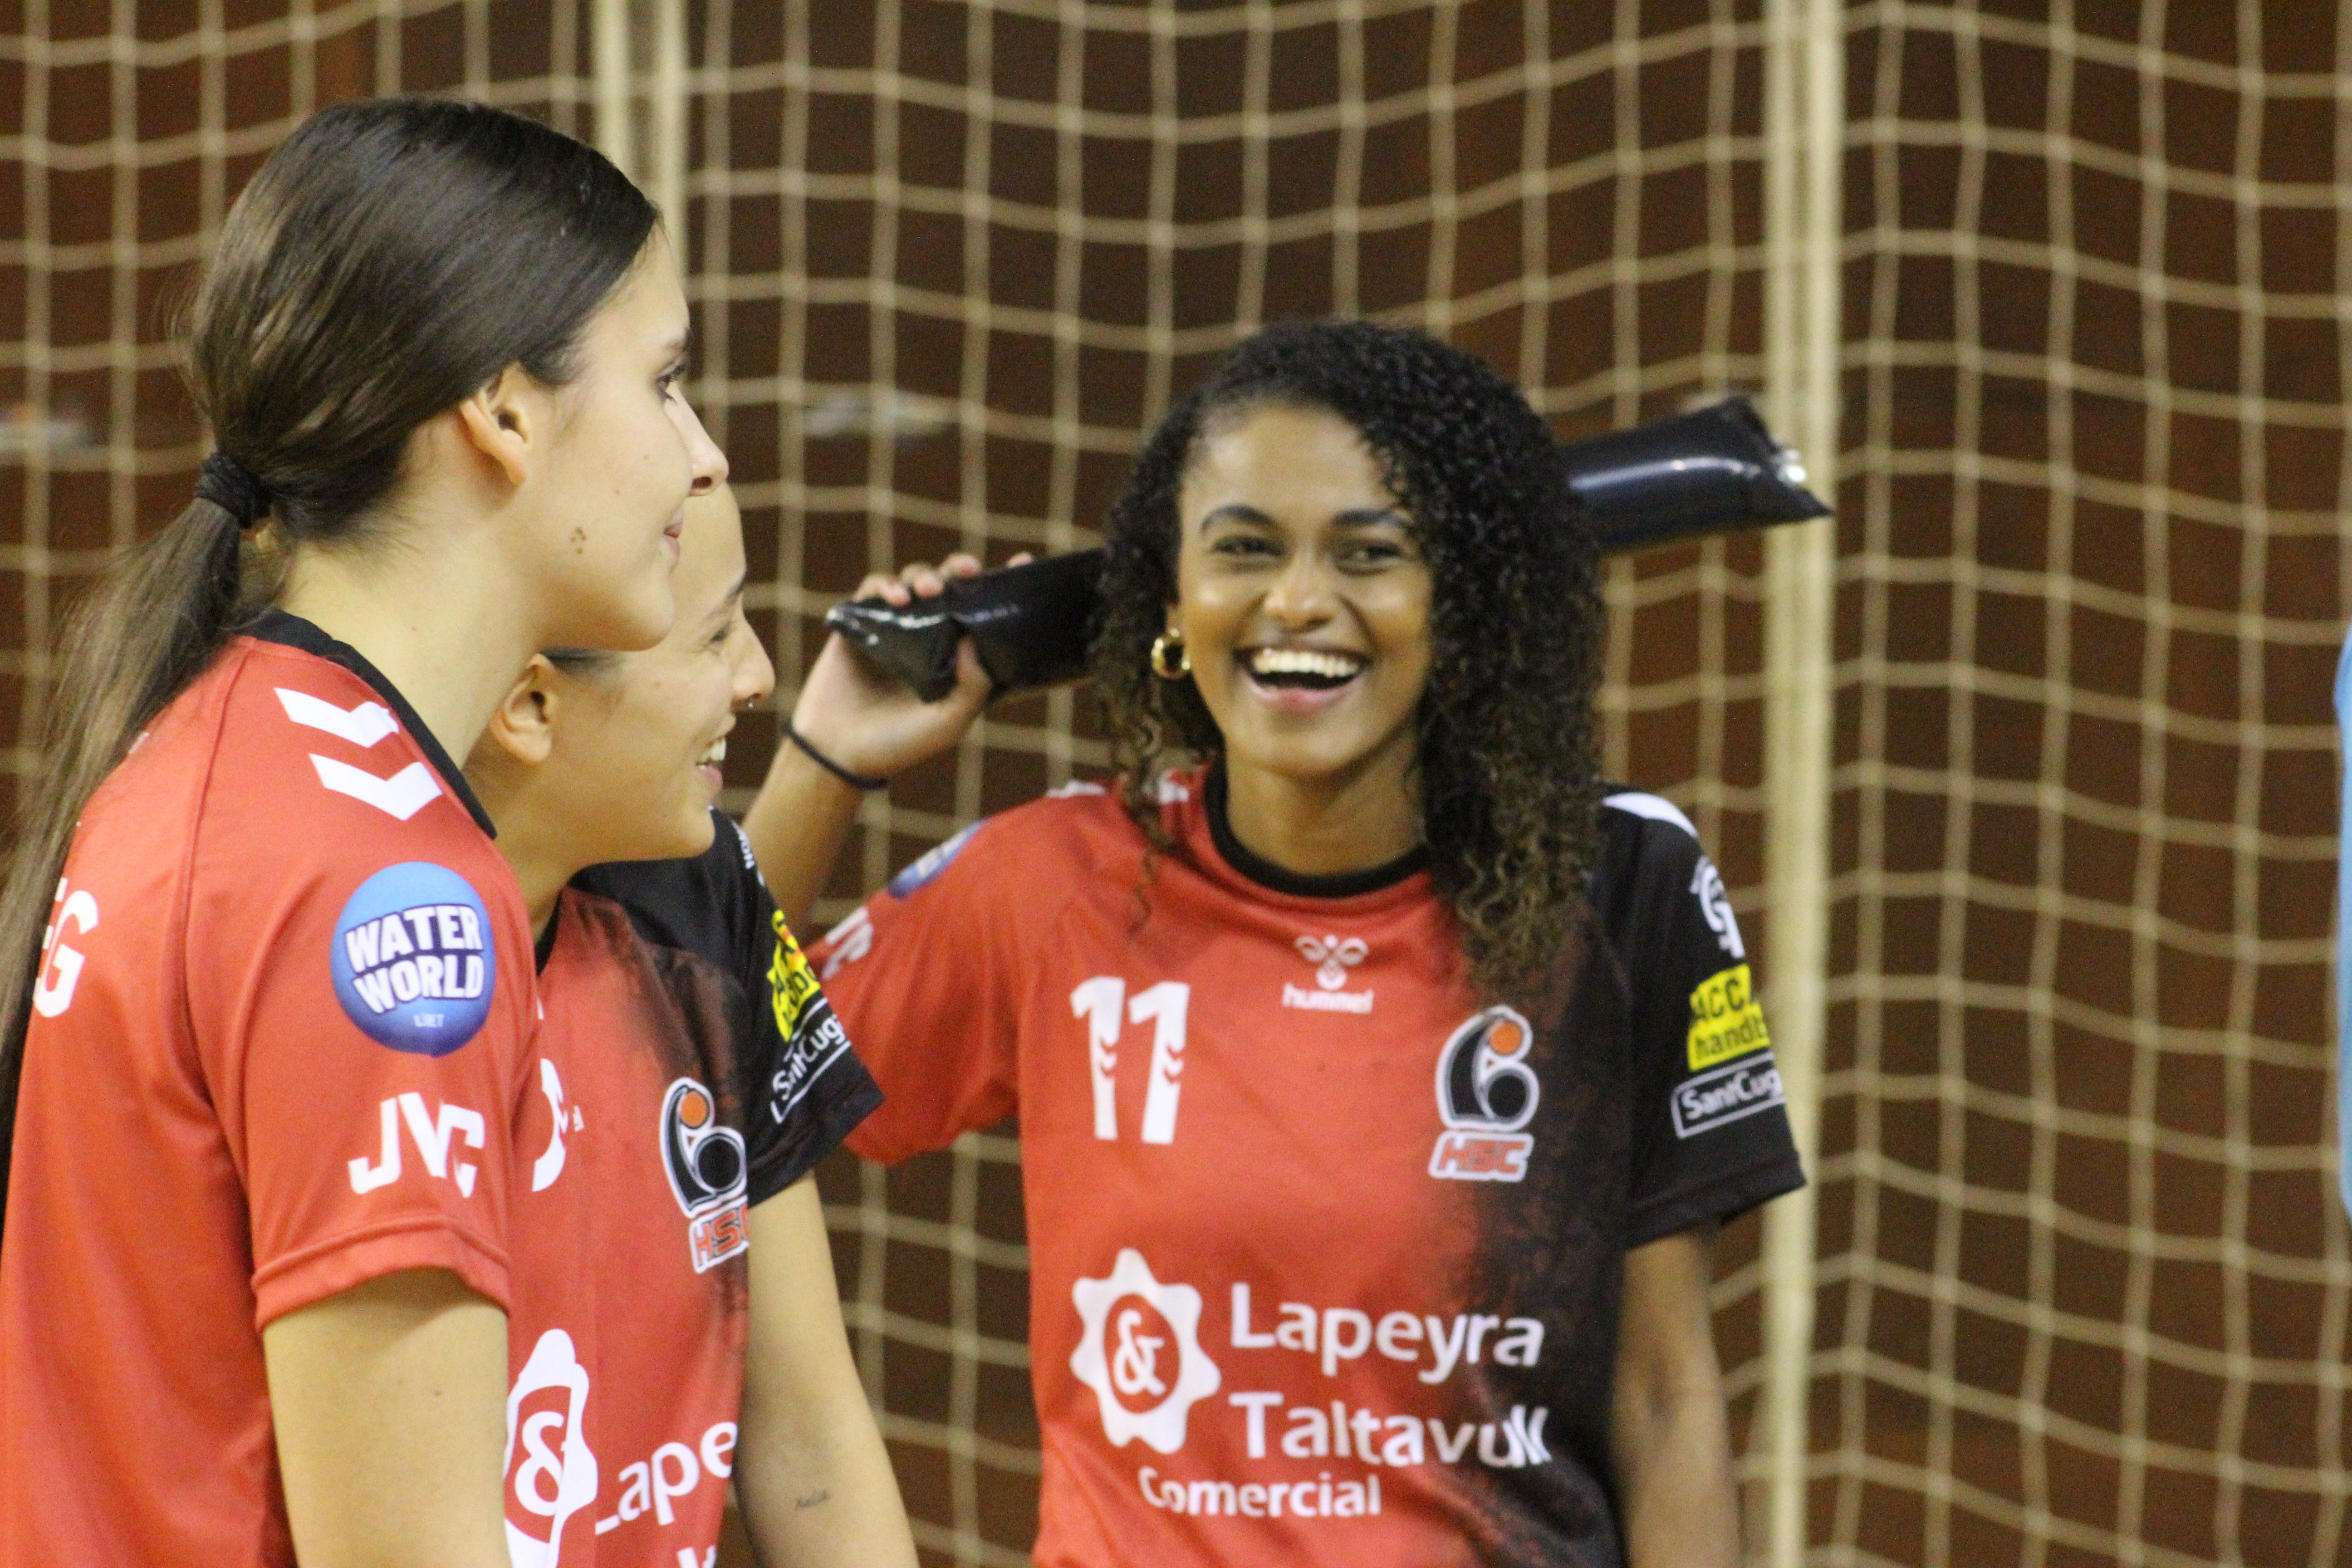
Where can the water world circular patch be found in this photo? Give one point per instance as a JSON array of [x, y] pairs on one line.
[[413, 961], [933, 862]]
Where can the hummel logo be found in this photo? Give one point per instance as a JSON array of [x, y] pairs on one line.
[[361, 726], [1333, 956], [402, 796]]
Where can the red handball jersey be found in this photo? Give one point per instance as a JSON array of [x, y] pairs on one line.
[[689, 1068], [278, 1049], [1325, 1249]]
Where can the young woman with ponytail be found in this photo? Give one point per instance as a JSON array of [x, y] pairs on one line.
[[265, 985]]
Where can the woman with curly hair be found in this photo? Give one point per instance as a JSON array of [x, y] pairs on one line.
[[1381, 1075]]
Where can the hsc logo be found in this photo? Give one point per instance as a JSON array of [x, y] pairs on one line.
[[1486, 1094], [413, 962], [1140, 1352], [705, 1161]]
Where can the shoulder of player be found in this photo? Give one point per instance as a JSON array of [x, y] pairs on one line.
[[307, 743], [1639, 829], [1040, 844], [1647, 847], [306, 780]]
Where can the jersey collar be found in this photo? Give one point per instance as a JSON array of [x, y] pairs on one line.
[[1296, 884], [275, 626]]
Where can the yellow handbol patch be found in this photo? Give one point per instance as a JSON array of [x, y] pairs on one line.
[[1726, 1022], [791, 983]]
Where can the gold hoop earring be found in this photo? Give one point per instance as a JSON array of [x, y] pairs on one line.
[[1163, 664]]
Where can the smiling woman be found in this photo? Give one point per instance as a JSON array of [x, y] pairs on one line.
[[1302, 616], [1371, 1156], [692, 1074], [1446, 479]]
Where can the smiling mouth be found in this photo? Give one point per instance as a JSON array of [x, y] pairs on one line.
[[713, 757], [1302, 670]]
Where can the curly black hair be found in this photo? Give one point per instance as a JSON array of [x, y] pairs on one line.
[[1508, 763]]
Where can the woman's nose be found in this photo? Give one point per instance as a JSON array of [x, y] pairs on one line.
[[755, 673], [1301, 595]]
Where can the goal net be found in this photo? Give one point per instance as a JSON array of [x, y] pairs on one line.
[[2083, 1286]]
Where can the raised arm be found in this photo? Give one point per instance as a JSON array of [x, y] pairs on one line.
[[865, 722]]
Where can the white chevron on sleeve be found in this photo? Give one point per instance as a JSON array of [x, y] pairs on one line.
[[361, 726], [1657, 807], [402, 796]]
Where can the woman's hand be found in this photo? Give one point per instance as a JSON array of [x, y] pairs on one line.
[[862, 717], [865, 722]]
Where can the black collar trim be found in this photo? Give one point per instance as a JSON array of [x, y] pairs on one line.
[[275, 626], [542, 947], [1297, 884]]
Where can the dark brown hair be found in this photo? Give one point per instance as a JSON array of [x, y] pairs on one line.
[[391, 259], [1506, 764]]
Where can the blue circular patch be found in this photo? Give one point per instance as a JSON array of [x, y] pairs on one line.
[[933, 862], [414, 963]]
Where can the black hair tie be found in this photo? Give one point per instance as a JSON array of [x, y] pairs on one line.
[[230, 486]]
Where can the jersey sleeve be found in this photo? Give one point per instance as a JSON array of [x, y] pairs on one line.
[[926, 974], [1710, 1135], [799, 1080], [805, 1087], [361, 1022]]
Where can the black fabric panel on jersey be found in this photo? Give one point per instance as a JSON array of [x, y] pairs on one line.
[[1551, 1246], [1296, 884], [276, 626], [802, 1095], [1650, 895]]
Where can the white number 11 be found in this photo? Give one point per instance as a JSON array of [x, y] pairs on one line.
[[1101, 1001]]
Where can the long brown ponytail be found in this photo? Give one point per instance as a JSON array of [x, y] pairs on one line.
[[390, 258]]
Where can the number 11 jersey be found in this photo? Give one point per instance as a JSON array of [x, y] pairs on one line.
[[1326, 1246]]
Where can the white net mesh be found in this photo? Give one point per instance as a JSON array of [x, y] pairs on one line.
[[127, 131], [2082, 1274], [2083, 1288]]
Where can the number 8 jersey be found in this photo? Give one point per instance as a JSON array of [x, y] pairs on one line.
[[1325, 1248]]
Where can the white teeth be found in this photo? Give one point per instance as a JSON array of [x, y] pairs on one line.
[[1305, 661], [716, 755]]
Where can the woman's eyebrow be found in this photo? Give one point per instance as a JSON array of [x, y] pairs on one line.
[[1235, 512], [1370, 517], [726, 607]]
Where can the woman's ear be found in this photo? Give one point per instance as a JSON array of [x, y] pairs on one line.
[[522, 726], [505, 420]]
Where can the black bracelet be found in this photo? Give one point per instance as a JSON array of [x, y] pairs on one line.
[[854, 781]]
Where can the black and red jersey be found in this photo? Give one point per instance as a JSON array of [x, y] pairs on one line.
[[1327, 1247], [687, 1069]]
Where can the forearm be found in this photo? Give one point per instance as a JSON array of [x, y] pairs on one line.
[[1669, 1443], [1677, 1502], [820, 1491], [811, 1470], [795, 828]]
